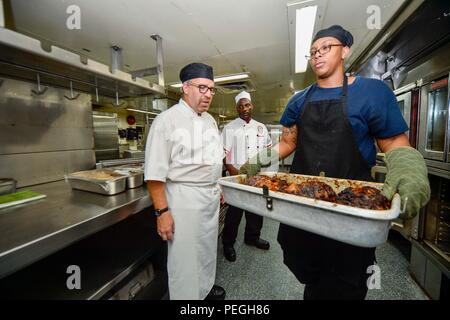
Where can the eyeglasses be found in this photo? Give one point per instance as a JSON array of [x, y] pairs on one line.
[[322, 50], [204, 89]]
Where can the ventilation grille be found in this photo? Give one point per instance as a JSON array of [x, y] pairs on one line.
[[236, 87]]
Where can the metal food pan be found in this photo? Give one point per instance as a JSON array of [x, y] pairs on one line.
[[133, 166], [115, 185], [135, 177], [7, 186], [135, 180], [356, 226]]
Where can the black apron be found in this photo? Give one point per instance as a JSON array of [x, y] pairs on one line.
[[325, 143]]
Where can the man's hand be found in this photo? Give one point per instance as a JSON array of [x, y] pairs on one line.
[[164, 223], [232, 170], [165, 226], [407, 174]]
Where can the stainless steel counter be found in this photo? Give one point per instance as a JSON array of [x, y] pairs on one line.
[[32, 231]]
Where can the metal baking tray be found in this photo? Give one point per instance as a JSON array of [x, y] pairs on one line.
[[7, 186], [133, 166], [135, 177], [356, 226], [82, 180]]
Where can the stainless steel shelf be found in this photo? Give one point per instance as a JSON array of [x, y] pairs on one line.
[[22, 57]]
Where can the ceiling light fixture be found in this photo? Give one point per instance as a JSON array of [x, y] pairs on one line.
[[104, 117], [304, 26], [142, 111], [221, 79], [231, 77], [298, 2]]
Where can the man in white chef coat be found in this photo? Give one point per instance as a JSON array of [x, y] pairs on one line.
[[183, 161], [242, 139]]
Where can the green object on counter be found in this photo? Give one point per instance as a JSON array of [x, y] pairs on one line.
[[19, 197]]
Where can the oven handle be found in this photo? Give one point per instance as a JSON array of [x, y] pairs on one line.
[[447, 133]]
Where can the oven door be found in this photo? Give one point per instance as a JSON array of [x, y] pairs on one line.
[[435, 231], [404, 103], [433, 140]]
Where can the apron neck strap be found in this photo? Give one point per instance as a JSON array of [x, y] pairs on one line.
[[344, 90], [345, 87]]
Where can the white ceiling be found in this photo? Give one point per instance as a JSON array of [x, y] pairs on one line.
[[232, 36]]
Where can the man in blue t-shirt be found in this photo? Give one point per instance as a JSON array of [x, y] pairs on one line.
[[332, 126]]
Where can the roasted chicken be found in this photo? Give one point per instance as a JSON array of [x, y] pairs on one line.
[[274, 184], [317, 190], [362, 197], [312, 189]]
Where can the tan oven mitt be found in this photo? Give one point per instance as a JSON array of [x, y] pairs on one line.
[[407, 174]]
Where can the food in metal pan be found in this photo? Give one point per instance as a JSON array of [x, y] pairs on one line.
[[273, 183], [356, 196], [316, 190], [363, 197], [97, 174]]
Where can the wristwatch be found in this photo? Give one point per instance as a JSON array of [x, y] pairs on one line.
[[158, 212]]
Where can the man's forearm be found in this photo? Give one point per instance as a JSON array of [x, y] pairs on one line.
[[231, 169], [285, 149], [157, 191], [389, 144], [288, 141]]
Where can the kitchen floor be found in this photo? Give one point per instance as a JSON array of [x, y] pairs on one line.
[[261, 275]]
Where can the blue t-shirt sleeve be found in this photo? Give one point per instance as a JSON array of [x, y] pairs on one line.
[[293, 109], [385, 118], [290, 115]]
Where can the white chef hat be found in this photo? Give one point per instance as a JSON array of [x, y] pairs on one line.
[[243, 95]]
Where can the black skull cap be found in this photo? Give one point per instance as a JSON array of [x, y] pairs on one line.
[[196, 70], [337, 32]]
